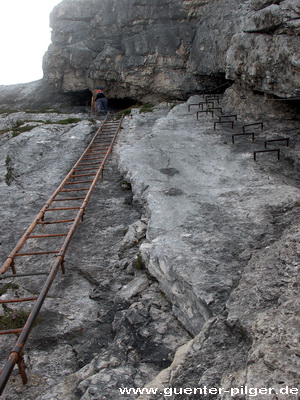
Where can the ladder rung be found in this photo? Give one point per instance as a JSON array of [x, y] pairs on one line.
[[91, 158], [74, 190], [77, 183], [61, 221], [100, 150], [22, 275], [80, 175], [85, 169], [91, 163], [62, 208], [69, 199], [19, 300], [10, 331], [47, 235], [36, 253]]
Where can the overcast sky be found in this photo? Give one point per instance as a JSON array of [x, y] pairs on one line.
[[24, 39]]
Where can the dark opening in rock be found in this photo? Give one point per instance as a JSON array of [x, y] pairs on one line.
[[121, 104]]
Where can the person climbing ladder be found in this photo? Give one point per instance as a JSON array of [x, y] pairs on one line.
[[99, 101]]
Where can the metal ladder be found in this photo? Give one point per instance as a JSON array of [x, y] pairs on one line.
[[50, 233]]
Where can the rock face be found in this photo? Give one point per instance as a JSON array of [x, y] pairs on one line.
[[218, 233], [265, 55], [40, 95], [222, 242], [133, 47], [166, 49]]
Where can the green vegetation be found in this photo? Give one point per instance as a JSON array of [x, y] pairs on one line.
[[7, 111], [4, 130], [7, 160], [7, 286], [43, 111], [9, 174], [18, 129], [146, 108], [20, 126], [127, 111], [12, 319], [138, 263], [8, 178], [125, 185]]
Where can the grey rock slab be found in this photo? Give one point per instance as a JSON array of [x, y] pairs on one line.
[[134, 287], [203, 217]]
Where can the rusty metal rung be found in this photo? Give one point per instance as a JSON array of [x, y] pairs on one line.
[[61, 221], [286, 140], [97, 149], [266, 151], [243, 134], [22, 299], [228, 116], [86, 169], [7, 276], [89, 163], [11, 331], [261, 124], [97, 145], [91, 158], [80, 175], [78, 182], [75, 190], [62, 208], [36, 253], [69, 198], [47, 235]]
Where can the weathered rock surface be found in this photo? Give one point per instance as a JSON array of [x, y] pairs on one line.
[[107, 319], [166, 49], [41, 96], [218, 234], [221, 243], [160, 50], [264, 55], [216, 231], [135, 47]]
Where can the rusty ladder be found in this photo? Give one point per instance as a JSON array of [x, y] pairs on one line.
[[56, 222]]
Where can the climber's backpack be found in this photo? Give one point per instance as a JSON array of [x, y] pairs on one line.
[[98, 94]]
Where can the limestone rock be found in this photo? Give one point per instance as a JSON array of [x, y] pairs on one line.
[[265, 54], [160, 50], [143, 51], [221, 251], [137, 285], [137, 45], [235, 284]]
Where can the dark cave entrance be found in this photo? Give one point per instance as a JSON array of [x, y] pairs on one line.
[[83, 99], [121, 104]]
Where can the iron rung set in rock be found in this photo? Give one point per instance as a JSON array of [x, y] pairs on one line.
[[211, 105]]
